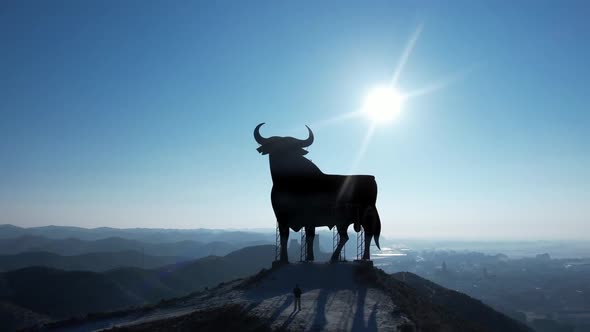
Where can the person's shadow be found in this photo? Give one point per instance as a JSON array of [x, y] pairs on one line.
[[320, 321], [358, 323], [286, 303], [288, 320]]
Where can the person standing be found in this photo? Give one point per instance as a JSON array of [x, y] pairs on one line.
[[297, 295]]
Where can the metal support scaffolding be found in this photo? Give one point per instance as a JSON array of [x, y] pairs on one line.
[[277, 244], [343, 252], [303, 253], [360, 244], [334, 239]]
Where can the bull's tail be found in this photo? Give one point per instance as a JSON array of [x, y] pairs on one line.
[[372, 223], [376, 220], [377, 228]]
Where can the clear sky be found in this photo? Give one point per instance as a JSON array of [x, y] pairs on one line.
[[140, 113]]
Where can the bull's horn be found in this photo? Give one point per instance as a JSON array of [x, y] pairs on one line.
[[259, 139], [309, 140]]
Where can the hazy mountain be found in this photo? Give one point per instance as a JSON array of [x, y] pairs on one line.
[[7, 231], [179, 279], [22, 243], [97, 262], [15, 239], [60, 294], [150, 235], [72, 246]]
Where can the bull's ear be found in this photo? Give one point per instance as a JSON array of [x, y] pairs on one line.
[[265, 149]]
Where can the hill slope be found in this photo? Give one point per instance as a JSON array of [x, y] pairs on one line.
[[59, 294], [462, 305], [342, 296]]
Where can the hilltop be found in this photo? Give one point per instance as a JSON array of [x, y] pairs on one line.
[[343, 296]]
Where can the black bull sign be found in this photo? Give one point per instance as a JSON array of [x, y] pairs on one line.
[[304, 197]]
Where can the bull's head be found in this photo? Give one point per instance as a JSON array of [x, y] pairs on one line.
[[278, 144]]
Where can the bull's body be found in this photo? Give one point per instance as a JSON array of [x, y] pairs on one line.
[[304, 197], [322, 200]]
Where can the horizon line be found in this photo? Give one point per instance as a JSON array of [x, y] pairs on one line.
[[388, 237]]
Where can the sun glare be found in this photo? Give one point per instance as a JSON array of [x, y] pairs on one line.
[[383, 104]]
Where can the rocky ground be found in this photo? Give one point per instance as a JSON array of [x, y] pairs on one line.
[[336, 297], [333, 299]]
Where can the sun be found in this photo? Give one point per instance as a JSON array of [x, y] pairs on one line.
[[382, 104]]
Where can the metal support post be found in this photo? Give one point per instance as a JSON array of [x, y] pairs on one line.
[[277, 244], [303, 253], [360, 244]]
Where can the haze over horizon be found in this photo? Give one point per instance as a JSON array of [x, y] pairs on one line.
[[141, 114], [322, 230]]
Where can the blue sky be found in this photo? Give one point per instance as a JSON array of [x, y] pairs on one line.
[[140, 113]]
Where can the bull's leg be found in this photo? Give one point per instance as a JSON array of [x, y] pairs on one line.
[[284, 233], [367, 249], [309, 236], [343, 238]]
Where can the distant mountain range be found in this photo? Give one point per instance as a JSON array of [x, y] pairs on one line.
[[48, 293], [14, 239], [149, 235], [72, 246], [96, 262]]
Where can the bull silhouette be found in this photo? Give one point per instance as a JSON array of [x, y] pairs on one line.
[[303, 196]]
